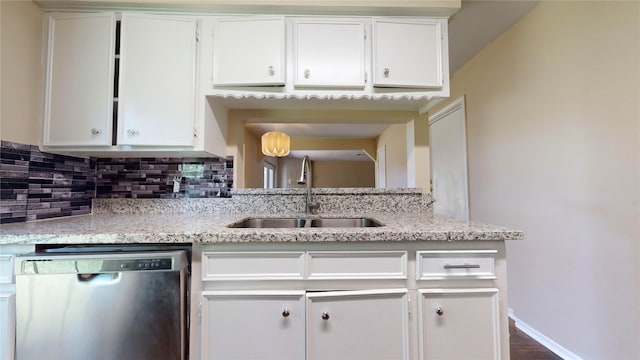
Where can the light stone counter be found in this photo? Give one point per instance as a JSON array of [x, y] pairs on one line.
[[406, 215]]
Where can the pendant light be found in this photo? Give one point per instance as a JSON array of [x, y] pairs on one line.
[[276, 143]]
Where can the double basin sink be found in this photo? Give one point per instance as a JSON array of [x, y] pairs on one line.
[[357, 222]]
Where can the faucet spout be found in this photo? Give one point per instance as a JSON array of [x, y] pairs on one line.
[[306, 177]]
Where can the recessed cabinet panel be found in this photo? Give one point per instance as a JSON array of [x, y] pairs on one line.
[[329, 53], [357, 264], [407, 53], [79, 80], [459, 324], [370, 324], [157, 81], [253, 325], [252, 265], [249, 52]]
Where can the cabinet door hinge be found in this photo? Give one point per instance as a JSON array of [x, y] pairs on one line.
[[366, 77], [409, 305], [200, 313]]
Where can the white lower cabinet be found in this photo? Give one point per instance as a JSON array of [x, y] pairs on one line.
[[404, 300], [369, 324], [253, 325], [459, 324], [273, 324]]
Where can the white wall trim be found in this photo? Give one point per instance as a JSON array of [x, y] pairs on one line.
[[542, 339]]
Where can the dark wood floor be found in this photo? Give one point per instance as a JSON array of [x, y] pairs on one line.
[[525, 348]]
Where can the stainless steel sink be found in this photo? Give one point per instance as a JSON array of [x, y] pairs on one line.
[[305, 222]]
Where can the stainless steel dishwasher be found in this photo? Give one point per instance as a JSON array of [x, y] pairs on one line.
[[104, 305]]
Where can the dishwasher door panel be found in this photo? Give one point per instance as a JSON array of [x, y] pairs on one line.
[[126, 315]]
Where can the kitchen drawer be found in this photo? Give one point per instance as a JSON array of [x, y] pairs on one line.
[[6, 269], [455, 264], [357, 264], [252, 265]]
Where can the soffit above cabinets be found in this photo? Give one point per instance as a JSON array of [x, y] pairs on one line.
[[440, 8]]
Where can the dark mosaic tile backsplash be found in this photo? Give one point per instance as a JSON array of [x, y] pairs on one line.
[[164, 177], [36, 185]]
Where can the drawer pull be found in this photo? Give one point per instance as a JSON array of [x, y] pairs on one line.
[[285, 313], [325, 316], [463, 266]]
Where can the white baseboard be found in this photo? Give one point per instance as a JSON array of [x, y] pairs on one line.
[[545, 341]]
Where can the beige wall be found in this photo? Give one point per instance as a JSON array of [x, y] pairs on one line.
[[418, 170], [21, 71], [253, 161], [553, 112], [336, 174], [394, 139]]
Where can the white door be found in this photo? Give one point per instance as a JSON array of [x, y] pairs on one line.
[[459, 324], [79, 80], [157, 81], [448, 151], [371, 324], [253, 325], [249, 51]]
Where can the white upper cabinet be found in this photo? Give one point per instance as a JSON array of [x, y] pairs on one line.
[[408, 53], [156, 97], [79, 79], [329, 53], [249, 51]]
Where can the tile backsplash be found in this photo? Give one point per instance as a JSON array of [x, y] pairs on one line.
[[163, 177], [38, 185]]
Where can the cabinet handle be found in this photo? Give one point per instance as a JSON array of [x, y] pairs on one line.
[[462, 266], [132, 132], [95, 131], [307, 73], [325, 316], [385, 72], [439, 311], [285, 313], [272, 71]]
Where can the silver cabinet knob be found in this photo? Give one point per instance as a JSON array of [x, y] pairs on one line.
[[132, 132], [439, 311], [307, 73], [385, 72], [325, 316], [272, 71], [285, 313], [95, 131]]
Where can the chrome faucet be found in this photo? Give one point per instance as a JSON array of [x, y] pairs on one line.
[[306, 170]]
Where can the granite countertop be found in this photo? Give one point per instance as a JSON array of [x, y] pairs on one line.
[[212, 228]]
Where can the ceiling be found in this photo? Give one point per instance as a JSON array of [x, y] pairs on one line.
[[472, 28]]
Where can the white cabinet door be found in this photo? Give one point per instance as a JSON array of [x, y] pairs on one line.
[[407, 53], [157, 81], [7, 325], [459, 324], [370, 324], [249, 51], [329, 53], [253, 325], [79, 80]]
